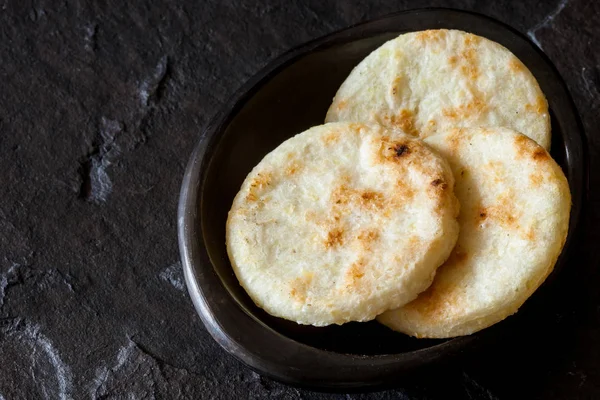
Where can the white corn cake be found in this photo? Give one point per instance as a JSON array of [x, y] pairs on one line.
[[432, 80], [514, 218], [341, 223]]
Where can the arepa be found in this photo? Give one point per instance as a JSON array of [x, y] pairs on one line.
[[431, 80], [514, 218], [341, 223]]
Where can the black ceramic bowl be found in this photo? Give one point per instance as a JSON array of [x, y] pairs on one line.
[[287, 97]]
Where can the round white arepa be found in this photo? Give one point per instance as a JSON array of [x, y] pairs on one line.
[[427, 81], [514, 218], [341, 223]]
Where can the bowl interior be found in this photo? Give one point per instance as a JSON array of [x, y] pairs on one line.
[[291, 99]]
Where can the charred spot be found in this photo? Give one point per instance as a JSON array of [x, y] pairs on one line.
[[439, 183], [482, 215], [401, 149]]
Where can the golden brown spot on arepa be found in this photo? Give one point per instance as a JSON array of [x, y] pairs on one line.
[[355, 126], [467, 110], [353, 277], [471, 39], [403, 192], [540, 155], [431, 35], [342, 104], [523, 146], [343, 195], [311, 216], [331, 138], [357, 270], [299, 286], [367, 237], [515, 65], [496, 170], [469, 67], [370, 198], [335, 237], [530, 235], [292, 168], [502, 212], [528, 148], [430, 303], [536, 179], [454, 139], [405, 120], [295, 294], [261, 181], [539, 106]]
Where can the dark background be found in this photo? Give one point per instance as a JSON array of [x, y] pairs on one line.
[[101, 104]]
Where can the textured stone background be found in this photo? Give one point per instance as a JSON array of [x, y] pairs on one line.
[[100, 106]]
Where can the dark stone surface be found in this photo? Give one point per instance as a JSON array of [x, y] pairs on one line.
[[101, 104]]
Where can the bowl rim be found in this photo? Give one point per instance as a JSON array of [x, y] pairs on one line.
[[353, 370]]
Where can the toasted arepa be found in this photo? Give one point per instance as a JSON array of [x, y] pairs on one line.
[[514, 218], [341, 223], [432, 80]]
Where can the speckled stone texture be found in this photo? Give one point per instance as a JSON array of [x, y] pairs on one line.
[[101, 104]]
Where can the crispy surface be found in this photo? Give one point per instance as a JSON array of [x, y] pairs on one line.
[[515, 205], [326, 231], [427, 81]]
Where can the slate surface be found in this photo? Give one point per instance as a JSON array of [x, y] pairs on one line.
[[100, 106]]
